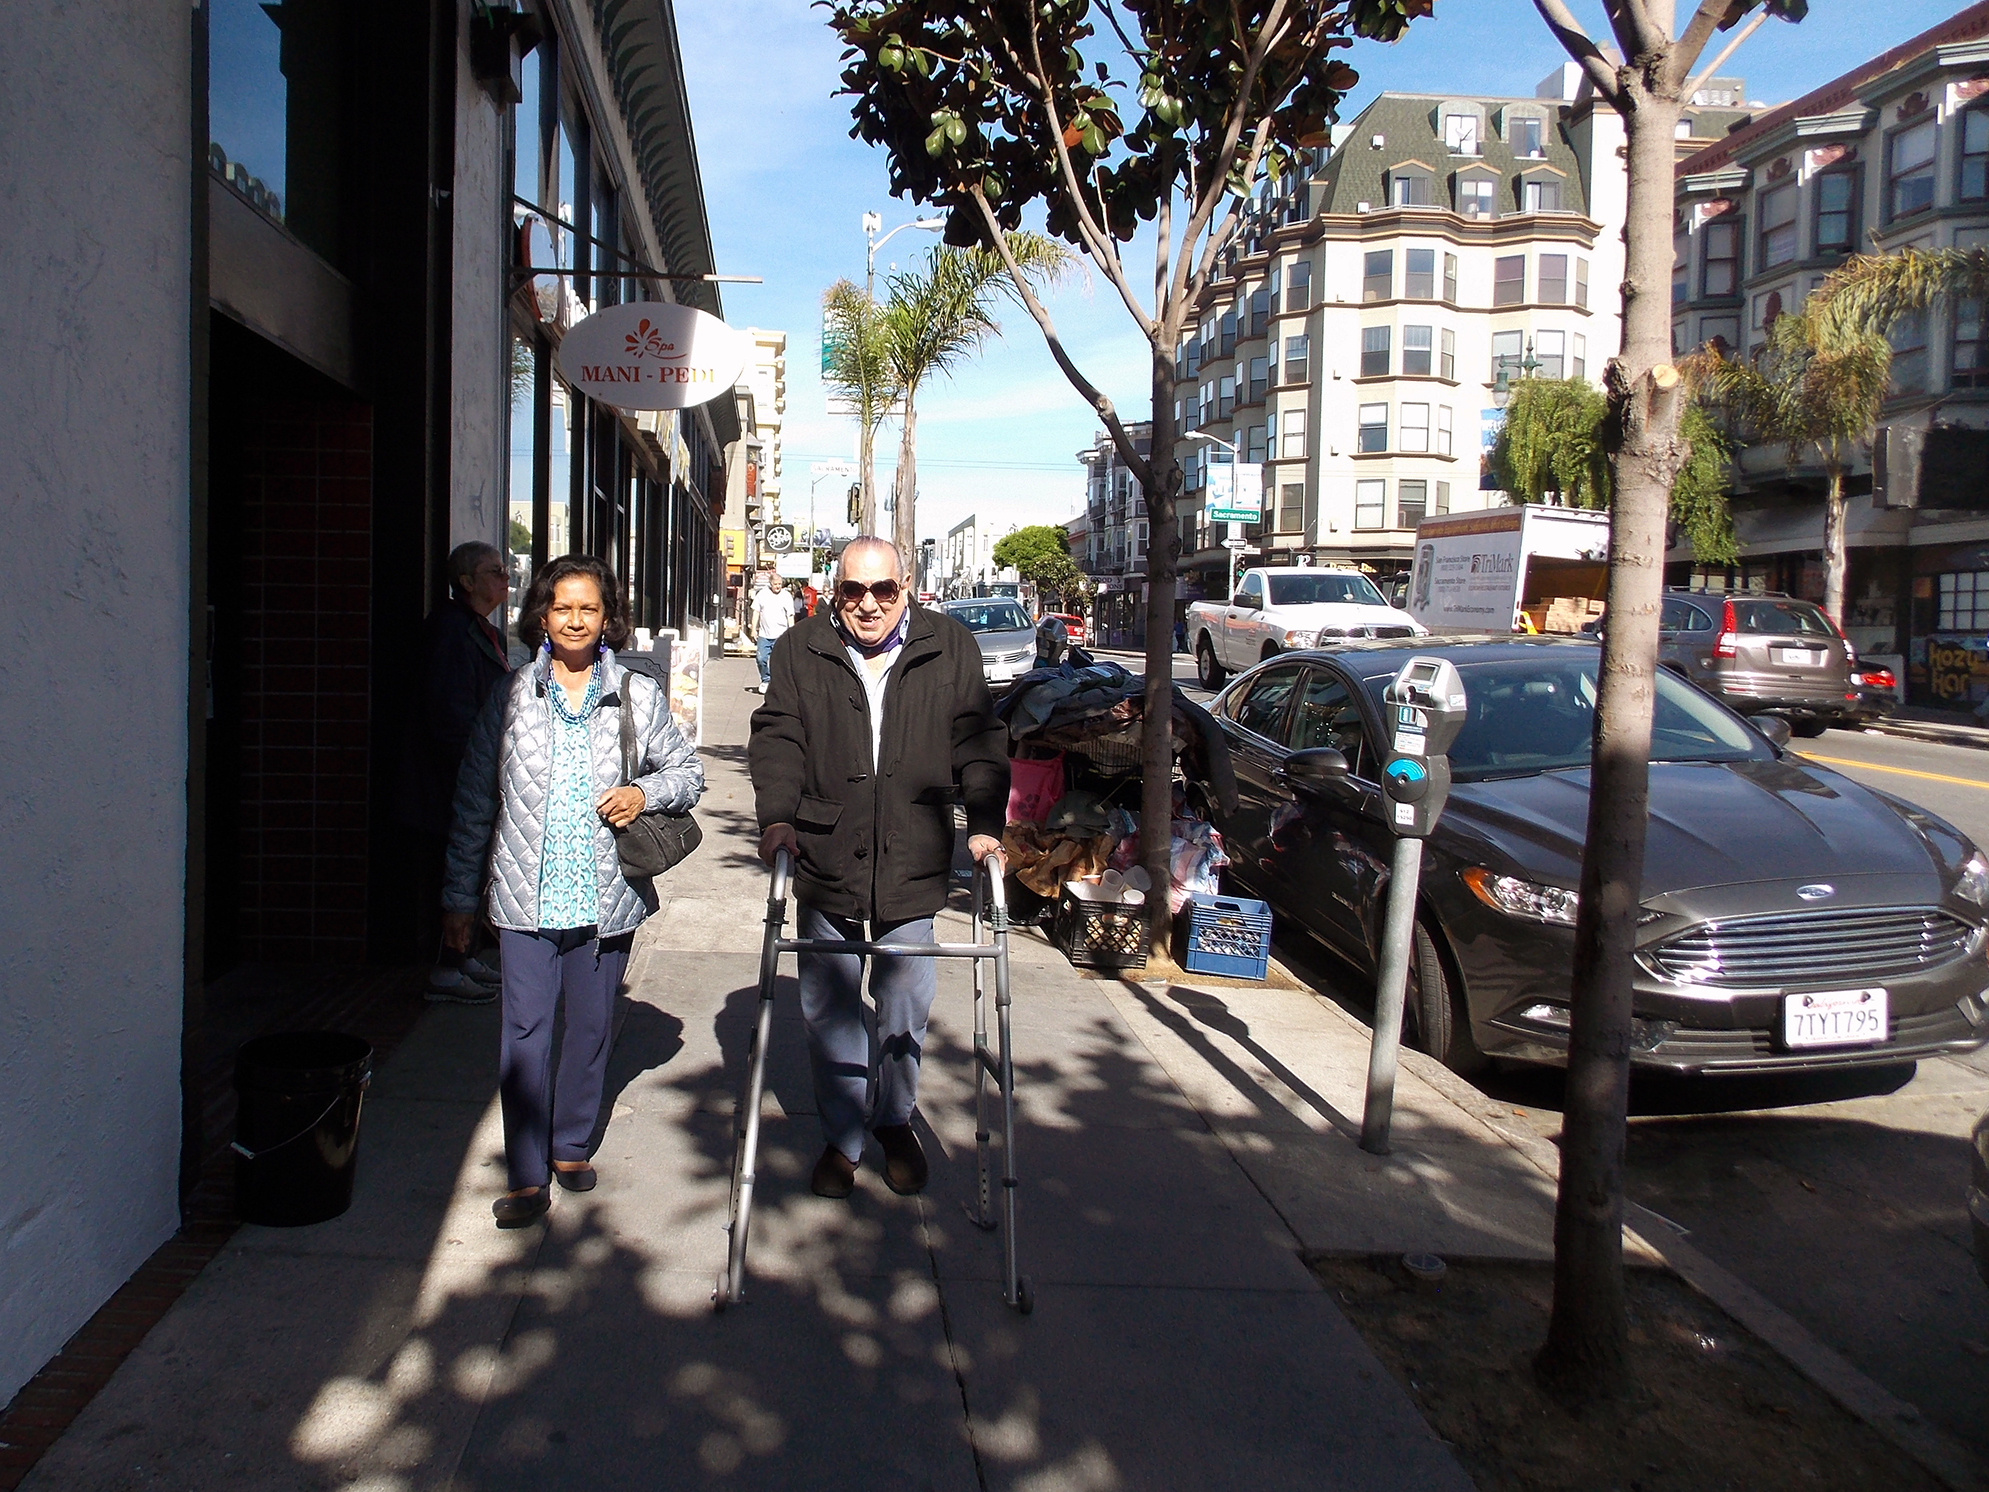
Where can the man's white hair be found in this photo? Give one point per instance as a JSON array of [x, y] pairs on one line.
[[870, 544]]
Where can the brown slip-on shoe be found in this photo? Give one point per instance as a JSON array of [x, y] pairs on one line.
[[905, 1170], [835, 1175], [523, 1209], [575, 1179]]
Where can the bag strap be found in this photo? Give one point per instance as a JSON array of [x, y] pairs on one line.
[[628, 728]]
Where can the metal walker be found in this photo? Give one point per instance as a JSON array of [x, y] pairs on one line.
[[996, 1064]]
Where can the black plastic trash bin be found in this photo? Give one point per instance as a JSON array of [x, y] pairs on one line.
[[297, 1097]]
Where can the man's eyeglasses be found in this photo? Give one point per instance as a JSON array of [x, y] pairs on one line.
[[852, 592]]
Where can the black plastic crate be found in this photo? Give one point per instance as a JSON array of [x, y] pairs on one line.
[[1100, 934]]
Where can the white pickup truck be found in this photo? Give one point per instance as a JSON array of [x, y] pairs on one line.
[[1299, 606]]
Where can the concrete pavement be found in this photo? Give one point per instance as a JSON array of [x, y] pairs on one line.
[[1181, 1146]]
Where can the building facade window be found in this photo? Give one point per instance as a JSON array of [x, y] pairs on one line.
[[1447, 355], [1507, 350], [1298, 359], [1974, 184], [1509, 280], [1721, 333], [1227, 334], [1681, 269], [1550, 351], [1443, 430], [1298, 285], [1419, 278], [1374, 351], [1378, 275], [1776, 214], [1442, 498], [1720, 275], [1525, 136], [1373, 428], [1412, 502], [1415, 433], [1477, 197], [1837, 212], [1578, 364], [1460, 134], [1370, 501], [1450, 278], [1260, 369], [1410, 189], [1908, 337], [1581, 283], [1291, 508], [1553, 280], [1909, 170], [1961, 601], [1542, 196], [1254, 442], [1225, 397], [1969, 366], [1260, 312], [1293, 445], [1416, 350]]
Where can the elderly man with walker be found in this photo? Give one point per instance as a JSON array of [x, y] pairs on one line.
[[876, 711]]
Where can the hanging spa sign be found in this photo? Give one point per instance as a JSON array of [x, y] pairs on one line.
[[652, 355]]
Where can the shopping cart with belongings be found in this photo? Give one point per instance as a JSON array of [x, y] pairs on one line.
[[996, 1065]]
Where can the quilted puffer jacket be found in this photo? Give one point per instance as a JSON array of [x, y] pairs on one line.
[[499, 827]]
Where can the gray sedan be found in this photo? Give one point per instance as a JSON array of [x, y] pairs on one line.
[[1005, 633]]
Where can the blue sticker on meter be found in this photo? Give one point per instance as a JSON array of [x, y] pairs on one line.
[[1406, 771]]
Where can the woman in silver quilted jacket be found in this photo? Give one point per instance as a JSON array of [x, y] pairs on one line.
[[538, 799]]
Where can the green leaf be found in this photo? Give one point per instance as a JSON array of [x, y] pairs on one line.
[[935, 143]]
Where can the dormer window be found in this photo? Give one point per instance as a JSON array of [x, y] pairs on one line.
[[1477, 197], [1410, 187], [1460, 134], [1541, 195], [1526, 133]]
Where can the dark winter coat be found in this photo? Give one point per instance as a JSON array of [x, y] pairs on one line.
[[460, 666], [878, 844]]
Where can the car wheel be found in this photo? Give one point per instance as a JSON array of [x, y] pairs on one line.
[[1271, 650], [1809, 730], [1208, 672], [1440, 1025]]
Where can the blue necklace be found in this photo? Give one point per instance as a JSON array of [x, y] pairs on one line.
[[558, 695]]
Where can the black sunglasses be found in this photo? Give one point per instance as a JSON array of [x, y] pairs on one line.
[[851, 592]]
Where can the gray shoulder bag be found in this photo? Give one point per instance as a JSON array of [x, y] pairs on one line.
[[655, 840]]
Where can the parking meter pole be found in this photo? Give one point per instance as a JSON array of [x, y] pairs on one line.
[[1397, 941]]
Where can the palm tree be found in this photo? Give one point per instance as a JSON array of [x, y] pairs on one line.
[[857, 367], [1869, 292], [937, 318], [1816, 386]]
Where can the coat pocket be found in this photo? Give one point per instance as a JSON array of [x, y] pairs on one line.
[[817, 815]]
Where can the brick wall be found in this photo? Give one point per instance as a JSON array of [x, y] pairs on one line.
[[306, 542]]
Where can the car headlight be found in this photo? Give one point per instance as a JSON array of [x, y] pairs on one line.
[[1517, 898], [1298, 637], [1974, 883]]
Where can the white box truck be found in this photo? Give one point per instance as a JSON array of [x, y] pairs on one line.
[[1528, 568]]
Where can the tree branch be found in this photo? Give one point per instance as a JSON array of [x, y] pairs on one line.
[[1567, 30], [1631, 21], [1754, 24], [1698, 31]]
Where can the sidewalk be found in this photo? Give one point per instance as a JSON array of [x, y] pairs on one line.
[[1947, 727], [1180, 1148]]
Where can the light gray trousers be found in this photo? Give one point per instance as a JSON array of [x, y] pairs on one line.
[[839, 1047]]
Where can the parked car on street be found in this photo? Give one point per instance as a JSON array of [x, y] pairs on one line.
[[1761, 655], [1301, 606], [1877, 689], [1791, 917], [1005, 633], [1073, 625]]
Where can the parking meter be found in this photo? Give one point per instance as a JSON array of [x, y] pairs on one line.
[[1427, 700]]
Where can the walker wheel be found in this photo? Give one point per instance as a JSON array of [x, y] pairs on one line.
[[1025, 1296], [718, 1300]]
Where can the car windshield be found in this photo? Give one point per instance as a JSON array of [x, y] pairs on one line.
[[989, 616], [1309, 590], [1781, 618], [1531, 715]]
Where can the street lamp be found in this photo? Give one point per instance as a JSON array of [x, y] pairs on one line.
[[1235, 543], [1502, 382], [871, 223]]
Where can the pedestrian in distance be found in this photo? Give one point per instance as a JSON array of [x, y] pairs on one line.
[[773, 616], [537, 803], [862, 799], [463, 658]]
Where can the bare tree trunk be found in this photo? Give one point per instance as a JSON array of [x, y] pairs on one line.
[[1157, 744], [866, 476], [1835, 558], [904, 502], [1587, 1350]]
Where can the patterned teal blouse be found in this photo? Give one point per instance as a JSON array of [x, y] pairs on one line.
[[569, 894]]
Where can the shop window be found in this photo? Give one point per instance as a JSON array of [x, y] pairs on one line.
[[1370, 501], [1974, 185], [1837, 212], [1374, 351], [1412, 501], [1477, 197], [1550, 351], [274, 106], [1908, 337], [1373, 428], [1291, 508], [1294, 435], [1909, 170], [1970, 363], [1298, 359], [1378, 275], [1721, 273], [1777, 213], [1415, 433], [1962, 601], [1416, 350], [1443, 431], [1298, 290], [1509, 280], [1450, 278], [1419, 280], [1447, 355], [1553, 280]]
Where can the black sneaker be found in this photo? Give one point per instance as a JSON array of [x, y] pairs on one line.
[[454, 987], [905, 1170]]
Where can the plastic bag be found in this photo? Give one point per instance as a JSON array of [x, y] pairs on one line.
[[1034, 788]]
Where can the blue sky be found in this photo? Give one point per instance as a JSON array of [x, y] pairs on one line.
[[786, 189]]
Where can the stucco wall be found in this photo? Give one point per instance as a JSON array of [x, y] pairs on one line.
[[478, 355], [94, 229]]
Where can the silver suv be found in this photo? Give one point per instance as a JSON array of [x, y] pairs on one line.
[[1761, 655]]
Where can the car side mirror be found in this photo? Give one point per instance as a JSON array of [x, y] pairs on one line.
[[1245, 600], [1774, 727], [1317, 765]]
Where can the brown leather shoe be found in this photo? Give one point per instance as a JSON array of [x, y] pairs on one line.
[[905, 1170], [835, 1175]]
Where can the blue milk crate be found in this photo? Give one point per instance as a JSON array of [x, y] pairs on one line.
[[1227, 935]]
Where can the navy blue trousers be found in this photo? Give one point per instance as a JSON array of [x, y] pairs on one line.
[[550, 1116]]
